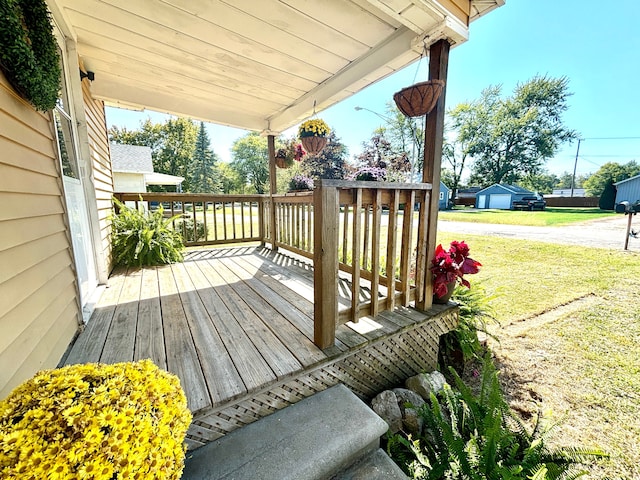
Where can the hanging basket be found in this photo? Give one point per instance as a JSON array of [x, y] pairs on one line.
[[313, 145], [282, 162], [419, 99]]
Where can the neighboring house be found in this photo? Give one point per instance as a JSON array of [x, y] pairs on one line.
[[133, 170], [467, 196], [445, 195], [628, 190], [500, 196], [229, 64], [566, 192]]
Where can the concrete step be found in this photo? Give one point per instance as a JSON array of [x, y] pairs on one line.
[[375, 466], [314, 439]]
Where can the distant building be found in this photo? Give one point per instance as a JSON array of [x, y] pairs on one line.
[[500, 196], [566, 192], [133, 170], [628, 190], [445, 195]]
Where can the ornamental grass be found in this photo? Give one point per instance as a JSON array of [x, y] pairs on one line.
[[95, 421]]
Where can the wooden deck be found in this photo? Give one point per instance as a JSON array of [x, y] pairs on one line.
[[236, 326]]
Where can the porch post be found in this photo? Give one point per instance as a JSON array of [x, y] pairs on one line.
[[325, 264], [271, 144], [434, 130]]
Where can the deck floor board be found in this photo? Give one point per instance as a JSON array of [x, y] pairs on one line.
[[236, 326]]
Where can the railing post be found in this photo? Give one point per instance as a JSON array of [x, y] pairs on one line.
[[326, 207], [271, 145]]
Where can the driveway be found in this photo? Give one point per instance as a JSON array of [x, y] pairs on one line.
[[602, 233]]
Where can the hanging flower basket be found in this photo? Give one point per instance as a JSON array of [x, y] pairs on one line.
[[419, 99], [313, 145], [313, 135], [282, 159]]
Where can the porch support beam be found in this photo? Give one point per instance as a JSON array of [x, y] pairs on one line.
[[434, 130], [271, 146]]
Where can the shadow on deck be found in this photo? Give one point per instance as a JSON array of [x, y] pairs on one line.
[[236, 326]]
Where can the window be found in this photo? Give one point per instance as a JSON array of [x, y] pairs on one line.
[[64, 129], [441, 195]]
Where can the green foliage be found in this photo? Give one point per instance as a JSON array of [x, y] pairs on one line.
[[610, 172], [329, 163], [230, 180], [608, 197], [468, 436], [144, 238], [185, 227], [203, 174], [251, 161], [173, 145], [539, 182], [512, 137], [29, 51], [475, 314]]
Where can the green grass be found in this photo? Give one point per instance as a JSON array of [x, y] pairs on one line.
[[584, 366], [549, 217]]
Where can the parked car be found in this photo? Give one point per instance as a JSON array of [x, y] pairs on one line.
[[529, 203]]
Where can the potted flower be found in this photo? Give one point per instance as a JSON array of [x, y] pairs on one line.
[[300, 183], [370, 174], [449, 267], [292, 151], [313, 135]]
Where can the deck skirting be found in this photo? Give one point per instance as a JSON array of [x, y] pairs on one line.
[[380, 364]]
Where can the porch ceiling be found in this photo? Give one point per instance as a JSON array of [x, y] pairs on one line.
[[254, 64]]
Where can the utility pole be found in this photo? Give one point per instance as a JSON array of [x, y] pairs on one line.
[[575, 166]]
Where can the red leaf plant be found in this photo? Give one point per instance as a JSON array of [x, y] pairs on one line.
[[451, 265]]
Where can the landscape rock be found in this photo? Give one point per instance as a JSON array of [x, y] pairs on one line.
[[386, 406], [411, 421], [425, 383]]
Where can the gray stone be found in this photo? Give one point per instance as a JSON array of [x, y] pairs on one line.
[[386, 406], [425, 383], [409, 403]]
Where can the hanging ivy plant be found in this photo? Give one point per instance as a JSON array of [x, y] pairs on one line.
[[28, 51]]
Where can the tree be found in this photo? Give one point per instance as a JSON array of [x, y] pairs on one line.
[[329, 163], [406, 136], [541, 182], [251, 161], [456, 151], [203, 174], [608, 197], [610, 172], [512, 137], [230, 181], [378, 152], [172, 144]]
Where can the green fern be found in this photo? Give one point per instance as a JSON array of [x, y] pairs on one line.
[[144, 238], [469, 437]]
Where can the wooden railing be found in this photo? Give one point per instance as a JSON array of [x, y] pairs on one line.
[[208, 219], [375, 233]]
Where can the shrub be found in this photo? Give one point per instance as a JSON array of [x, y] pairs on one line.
[[185, 227], [478, 437], [96, 421], [144, 238], [300, 182]]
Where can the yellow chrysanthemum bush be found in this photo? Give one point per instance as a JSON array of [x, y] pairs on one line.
[[313, 128], [95, 421]]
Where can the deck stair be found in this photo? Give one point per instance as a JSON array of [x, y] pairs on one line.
[[330, 435]]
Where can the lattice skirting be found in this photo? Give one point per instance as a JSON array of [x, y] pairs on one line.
[[381, 364]]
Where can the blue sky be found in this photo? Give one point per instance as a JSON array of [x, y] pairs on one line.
[[597, 47]]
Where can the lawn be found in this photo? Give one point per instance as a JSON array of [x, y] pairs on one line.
[[548, 217], [582, 363]]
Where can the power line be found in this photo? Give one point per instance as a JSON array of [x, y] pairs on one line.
[[610, 138]]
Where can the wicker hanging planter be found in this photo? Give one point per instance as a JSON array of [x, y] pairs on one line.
[[313, 145], [419, 99], [281, 159]]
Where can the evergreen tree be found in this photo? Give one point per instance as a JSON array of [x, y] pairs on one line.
[[329, 163], [203, 172], [608, 198]]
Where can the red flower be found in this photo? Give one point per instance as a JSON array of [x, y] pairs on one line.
[[451, 265]]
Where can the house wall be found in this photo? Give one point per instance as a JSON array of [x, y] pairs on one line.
[[39, 306], [129, 182], [628, 191]]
